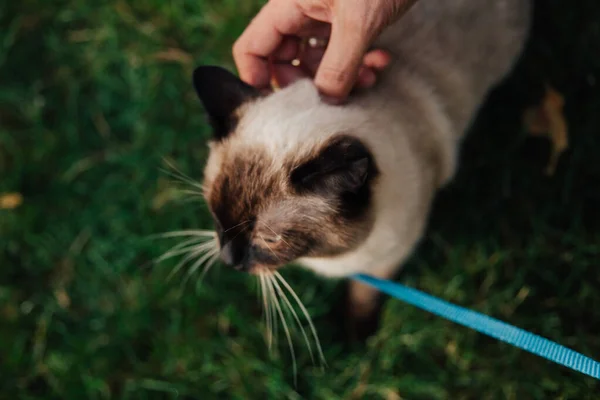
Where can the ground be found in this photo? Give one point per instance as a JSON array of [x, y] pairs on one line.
[[94, 98]]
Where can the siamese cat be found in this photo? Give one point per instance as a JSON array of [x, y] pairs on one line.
[[345, 189]]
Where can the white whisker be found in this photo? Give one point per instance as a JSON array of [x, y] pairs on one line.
[[191, 232], [211, 261], [240, 232], [205, 246], [208, 246], [274, 324], [273, 316], [176, 247], [190, 199], [185, 260], [177, 174], [266, 310], [259, 291], [181, 263], [269, 247], [306, 315], [275, 233], [295, 316], [192, 192], [198, 263], [240, 224], [176, 252], [205, 257], [271, 280], [202, 248]]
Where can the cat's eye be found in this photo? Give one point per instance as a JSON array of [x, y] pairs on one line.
[[272, 239]]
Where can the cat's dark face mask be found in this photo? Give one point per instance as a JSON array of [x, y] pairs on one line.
[[267, 218]]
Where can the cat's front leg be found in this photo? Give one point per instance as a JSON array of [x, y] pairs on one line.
[[363, 306]]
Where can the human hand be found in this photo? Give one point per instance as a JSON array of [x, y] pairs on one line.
[[274, 38]]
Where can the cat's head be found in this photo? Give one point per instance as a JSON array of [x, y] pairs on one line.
[[286, 177]]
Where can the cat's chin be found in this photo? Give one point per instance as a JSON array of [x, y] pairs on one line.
[[263, 270]]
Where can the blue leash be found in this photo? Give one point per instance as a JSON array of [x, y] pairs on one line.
[[492, 327]]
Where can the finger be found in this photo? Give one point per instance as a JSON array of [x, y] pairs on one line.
[[262, 37], [342, 59], [377, 59], [374, 62]]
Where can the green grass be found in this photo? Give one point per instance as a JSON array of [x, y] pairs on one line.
[[92, 100]]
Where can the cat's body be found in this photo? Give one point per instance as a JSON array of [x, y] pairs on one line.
[[347, 189], [446, 57]]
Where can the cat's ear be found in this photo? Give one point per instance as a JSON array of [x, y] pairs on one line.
[[343, 166], [221, 93]]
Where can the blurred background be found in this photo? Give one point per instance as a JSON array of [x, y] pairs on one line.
[[95, 96]]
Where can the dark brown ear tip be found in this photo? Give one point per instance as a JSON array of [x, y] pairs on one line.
[[202, 72], [221, 93]]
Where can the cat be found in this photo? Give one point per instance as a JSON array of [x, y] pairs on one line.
[[345, 189]]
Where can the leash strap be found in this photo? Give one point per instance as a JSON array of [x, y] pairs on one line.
[[492, 327]]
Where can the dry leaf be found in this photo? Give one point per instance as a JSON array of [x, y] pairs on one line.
[[163, 198], [391, 394], [9, 201], [165, 194], [62, 298], [547, 119]]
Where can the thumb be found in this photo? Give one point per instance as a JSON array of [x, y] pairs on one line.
[[341, 62]]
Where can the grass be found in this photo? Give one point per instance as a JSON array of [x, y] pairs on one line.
[[92, 98]]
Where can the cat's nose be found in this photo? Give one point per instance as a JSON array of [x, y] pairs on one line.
[[233, 254]]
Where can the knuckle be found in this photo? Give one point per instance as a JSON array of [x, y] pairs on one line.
[[354, 23], [365, 20]]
